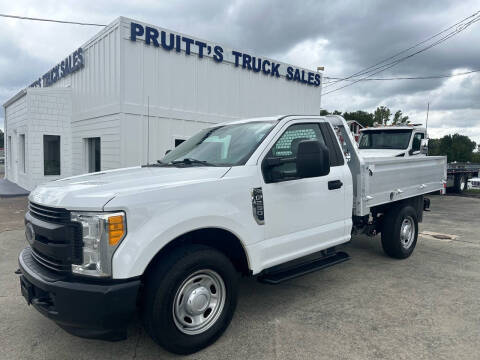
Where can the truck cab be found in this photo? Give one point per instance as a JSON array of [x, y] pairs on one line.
[[393, 141]]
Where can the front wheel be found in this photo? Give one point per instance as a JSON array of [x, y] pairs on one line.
[[400, 232], [190, 298]]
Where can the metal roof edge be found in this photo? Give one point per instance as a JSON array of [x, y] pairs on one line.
[[15, 97]]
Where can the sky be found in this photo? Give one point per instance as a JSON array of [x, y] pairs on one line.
[[343, 36]]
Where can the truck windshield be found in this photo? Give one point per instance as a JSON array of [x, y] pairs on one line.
[[226, 145], [385, 139]]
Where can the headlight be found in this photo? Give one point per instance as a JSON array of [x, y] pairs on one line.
[[102, 233]]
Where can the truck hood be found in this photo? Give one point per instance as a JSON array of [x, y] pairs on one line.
[[93, 191], [371, 153]]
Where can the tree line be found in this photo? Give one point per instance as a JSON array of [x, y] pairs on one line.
[[382, 116], [455, 147]]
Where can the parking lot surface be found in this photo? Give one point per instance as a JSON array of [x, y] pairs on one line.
[[371, 307]]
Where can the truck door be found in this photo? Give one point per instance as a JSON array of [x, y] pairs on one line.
[[304, 215]]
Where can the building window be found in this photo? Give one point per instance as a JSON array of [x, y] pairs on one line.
[[178, 142], [51, 155], [93, 154], [21, 151]]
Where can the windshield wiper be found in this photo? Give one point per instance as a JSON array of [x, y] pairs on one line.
[[190, 161]]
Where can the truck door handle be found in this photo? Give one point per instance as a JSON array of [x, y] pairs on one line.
[[334, 184]]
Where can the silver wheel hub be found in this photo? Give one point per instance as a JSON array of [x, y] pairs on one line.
[[407, 232], [199, 302]]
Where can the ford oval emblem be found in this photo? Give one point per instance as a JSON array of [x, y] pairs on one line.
[[29, 233]]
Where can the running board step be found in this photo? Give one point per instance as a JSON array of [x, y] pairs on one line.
[[273, 276]]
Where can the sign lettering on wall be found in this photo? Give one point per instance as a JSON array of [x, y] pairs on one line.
[[72, 63], [174, 42]]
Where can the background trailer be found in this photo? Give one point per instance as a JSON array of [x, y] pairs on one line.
[[134, 91]]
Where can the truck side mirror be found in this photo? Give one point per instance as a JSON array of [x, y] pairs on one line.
[[424, 146], [313, 159]]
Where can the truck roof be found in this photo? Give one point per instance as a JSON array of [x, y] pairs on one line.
[[267, 118], [393, 127], [247, 120]]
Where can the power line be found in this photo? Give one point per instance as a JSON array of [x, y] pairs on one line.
[[384, 67], [407, 77], [49, 20], [376, 65]]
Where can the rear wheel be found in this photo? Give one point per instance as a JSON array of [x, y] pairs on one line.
[[400, 232], [460, 184], [190, 298]]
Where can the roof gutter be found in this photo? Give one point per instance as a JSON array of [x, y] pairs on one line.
[[17, 96]]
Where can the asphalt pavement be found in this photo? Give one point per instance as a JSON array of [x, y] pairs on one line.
[[371, 307]]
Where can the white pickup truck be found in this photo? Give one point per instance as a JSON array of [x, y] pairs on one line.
[[267, 197]]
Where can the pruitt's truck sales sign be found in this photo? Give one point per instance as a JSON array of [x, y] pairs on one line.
[[174, 42]]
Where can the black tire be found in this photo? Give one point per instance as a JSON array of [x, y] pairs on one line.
[[392, 242], [460, 184], [163, 282]]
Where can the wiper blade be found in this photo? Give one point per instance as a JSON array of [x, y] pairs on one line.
[[189, 161], [158, 163]]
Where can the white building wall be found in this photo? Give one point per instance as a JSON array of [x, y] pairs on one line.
[[49, 113], [184, 86], [106, 127], [41, 111], [96, 100], [96, 87], [16, 114], [181, 94]]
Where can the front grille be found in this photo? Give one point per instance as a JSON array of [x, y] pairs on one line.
[[58, 241], [50, 263], [49, 214]]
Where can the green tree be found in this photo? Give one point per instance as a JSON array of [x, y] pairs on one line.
[[1, 139], [382, 115], [362, 117], [324, 112], [399, 118], [456, 147], [476, 157]]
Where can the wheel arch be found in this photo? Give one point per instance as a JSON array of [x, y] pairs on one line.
[[218, 238]]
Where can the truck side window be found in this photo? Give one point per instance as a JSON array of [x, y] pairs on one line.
[[417, 140], [287, 144], [287, 147]]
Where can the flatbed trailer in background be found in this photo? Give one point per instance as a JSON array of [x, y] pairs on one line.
[[459, 173]]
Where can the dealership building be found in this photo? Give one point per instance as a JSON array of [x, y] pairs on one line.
[[134, 91]]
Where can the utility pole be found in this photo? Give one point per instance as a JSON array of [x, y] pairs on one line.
[[321, 68], [426, 123]]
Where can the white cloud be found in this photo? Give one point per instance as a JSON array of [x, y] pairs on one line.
[[342, 36]]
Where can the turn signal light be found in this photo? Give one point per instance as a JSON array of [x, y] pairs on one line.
[[116, 229]]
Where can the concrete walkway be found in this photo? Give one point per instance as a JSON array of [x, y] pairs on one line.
[[9, 189]]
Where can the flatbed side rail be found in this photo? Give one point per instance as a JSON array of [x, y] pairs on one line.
[[378, 181]]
